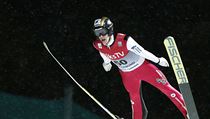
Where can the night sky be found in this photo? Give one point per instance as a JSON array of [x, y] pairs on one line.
[[27, 69]]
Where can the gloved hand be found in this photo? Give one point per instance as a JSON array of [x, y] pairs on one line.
[[107, 66], [163, 62]]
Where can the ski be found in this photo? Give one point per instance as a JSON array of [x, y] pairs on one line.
[[181, 76], [91, 96]]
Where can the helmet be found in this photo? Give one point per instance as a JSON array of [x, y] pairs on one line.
[[103, 26]]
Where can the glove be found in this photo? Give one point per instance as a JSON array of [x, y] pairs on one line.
[[107, 66], [163, 62]]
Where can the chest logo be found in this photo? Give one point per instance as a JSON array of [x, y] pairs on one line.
[[116, 55], [119, 44]]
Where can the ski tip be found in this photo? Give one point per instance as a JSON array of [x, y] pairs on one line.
[[168, 38], [45, 45]]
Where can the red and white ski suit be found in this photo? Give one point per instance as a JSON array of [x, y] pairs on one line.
[[134, 65]]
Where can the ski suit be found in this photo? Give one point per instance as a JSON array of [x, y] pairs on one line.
[[134, 66]]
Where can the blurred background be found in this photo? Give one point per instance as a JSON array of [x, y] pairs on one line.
[[33, 86]]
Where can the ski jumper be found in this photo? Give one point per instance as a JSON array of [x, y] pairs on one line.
[[134, 65]]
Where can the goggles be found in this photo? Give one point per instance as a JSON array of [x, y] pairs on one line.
[[100, 31]]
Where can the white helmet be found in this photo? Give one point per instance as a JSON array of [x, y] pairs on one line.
[[103, 26]]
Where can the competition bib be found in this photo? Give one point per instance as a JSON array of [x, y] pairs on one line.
[[130, 62]]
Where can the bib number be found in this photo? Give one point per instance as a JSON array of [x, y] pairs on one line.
[[121, 62]]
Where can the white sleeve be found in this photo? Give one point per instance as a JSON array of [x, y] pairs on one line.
[[106, 59], [133, 46]]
